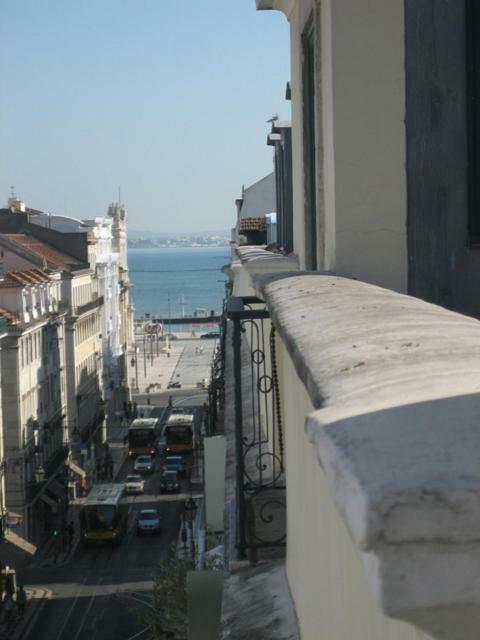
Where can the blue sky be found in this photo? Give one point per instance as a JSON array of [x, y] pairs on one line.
[[166, 98]]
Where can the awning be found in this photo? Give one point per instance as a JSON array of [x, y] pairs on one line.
[[48, 500], [56, 489], [75, 468]]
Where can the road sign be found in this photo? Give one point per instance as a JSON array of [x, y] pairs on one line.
[[152, 327]]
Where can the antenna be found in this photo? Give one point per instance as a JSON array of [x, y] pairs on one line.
[[119, 195], [12, 191]]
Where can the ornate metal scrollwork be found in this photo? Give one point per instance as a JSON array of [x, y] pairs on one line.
[[258, 423]]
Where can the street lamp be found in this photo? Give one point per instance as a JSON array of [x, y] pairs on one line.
[[134, 363], [39, 475], [190, 510]]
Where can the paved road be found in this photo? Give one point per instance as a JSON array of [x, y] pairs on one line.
[[94, 596]]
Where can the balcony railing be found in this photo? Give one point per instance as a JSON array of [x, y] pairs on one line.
[[258, 428], [88, 306]]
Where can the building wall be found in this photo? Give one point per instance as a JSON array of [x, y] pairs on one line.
[[359, 138], [33, 392], [325, 574], [444, 267], [83, 351]]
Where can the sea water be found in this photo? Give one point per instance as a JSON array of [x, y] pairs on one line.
[[177, 282]]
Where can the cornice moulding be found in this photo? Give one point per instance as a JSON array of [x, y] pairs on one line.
[[285, 6]]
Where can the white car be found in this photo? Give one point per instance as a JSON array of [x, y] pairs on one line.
[[134, 484]]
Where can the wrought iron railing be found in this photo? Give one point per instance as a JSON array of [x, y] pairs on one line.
[[261, 498], [216, 388]]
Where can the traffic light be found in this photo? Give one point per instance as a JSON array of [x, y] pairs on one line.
[[56, 532]]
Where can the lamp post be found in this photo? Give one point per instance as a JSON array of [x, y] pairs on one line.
[[144, 357], [134, 363], [190, 510], [39, 474]]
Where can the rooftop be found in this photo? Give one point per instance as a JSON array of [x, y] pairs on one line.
[[52, 258]]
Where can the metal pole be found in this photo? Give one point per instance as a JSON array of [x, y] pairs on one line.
[[237, 368], [136, 368], [169, 323], [144, 359], [151, 348]]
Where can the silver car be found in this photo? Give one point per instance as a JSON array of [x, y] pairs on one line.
[[144, 464], [148, 521], [134, 484]]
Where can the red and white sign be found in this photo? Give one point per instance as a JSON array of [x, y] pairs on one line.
[[153, 327]]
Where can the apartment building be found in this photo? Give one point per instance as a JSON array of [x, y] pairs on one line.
[[31, 246], [33, 399], [354, 405]]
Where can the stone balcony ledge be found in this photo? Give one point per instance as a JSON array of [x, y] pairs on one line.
[[258, 257], [395, 383]]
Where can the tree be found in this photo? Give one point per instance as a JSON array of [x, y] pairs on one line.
[[166, 614]]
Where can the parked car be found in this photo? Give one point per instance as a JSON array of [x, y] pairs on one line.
[[175, 385], [144, 464], [210, 335], [169, 481], [134, 484], [148, 521]]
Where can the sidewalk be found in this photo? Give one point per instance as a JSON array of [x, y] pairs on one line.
[[54, 553]]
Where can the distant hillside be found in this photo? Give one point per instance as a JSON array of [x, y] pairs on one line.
[[136, 234]]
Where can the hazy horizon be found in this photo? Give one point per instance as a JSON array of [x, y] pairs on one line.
[[168, 101]]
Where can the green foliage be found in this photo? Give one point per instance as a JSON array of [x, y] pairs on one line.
[[166, 615]]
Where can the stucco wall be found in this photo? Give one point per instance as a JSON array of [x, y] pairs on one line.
[[327, 581], [360, 137]]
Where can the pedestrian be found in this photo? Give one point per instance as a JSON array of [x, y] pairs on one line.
[[8, 606], [21, 600], [70, 534], [83, 486]]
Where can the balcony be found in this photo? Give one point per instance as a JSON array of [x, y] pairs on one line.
[[88, 306], [379, 403]]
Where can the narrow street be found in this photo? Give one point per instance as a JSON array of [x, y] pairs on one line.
[[102, 591]]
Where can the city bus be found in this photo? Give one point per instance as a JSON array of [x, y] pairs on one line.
[[179, 433], [103, 517], [142, 437]]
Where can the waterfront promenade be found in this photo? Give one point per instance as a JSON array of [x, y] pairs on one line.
[[184, 361]]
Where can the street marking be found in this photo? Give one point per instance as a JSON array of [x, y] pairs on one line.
[[67, 617], [87, 611]]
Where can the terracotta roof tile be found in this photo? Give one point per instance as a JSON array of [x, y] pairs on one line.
[[24, 278], [42, 250], [12, 318], [253, 223]]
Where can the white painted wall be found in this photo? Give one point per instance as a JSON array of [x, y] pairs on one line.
[[360, 136], [326, 577], [215, 452]]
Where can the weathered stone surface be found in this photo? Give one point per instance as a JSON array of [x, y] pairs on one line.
[[396, 384], [257, 605]]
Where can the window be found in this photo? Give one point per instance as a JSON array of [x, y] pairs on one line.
[[472, 25], [308, 106]]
